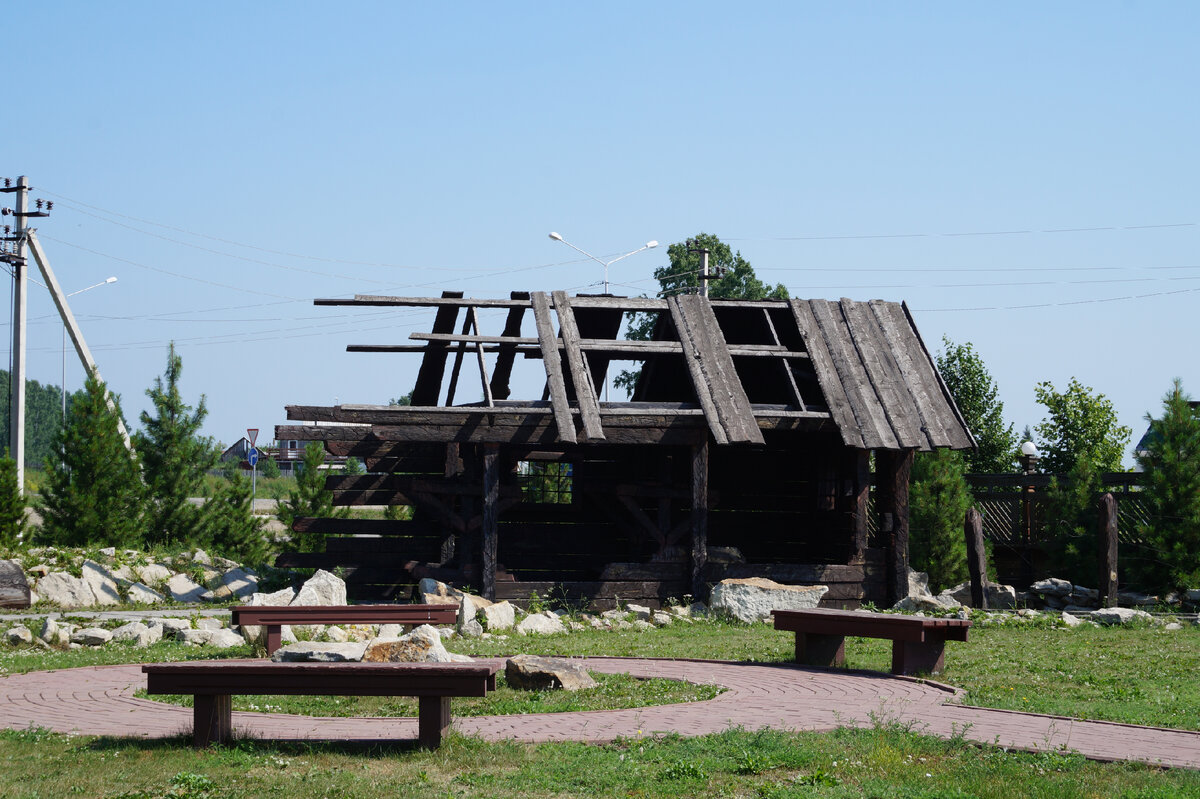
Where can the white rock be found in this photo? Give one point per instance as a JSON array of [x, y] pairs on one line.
[[224, 639], [541, 624], [182, 588], [53, 633], [927, 603], [500, 616], [323, 588], [236, 582], [1119, 615], [194, 637], [1174, 625], [19, 635], [752, 599], [171, 625], [123, 573], [60, 588], [639, 611], [153, 574], [642, 624], [337, 635], [109, 552], [1071, 621], [1136, 599], [209, 623], [472, 629], [91, 636], [319, 652], [660, 619], [138, 633], [103, 584], [998, 596], [389, 631], [142, 594], [1052, 587], [201, 557], [918, 583]]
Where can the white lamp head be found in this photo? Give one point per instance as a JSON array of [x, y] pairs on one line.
[[1029, 448], [111, 280], [651, 244], [556, 237]]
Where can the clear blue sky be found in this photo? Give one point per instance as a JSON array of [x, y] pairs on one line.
[[1023, 175]]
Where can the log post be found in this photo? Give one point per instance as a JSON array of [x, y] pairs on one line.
[[699, 519], [491, 520], [976, 558], [893, 470], [853, 501], [1107, 532]]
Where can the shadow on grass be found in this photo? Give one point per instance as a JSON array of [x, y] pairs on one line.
[[379, 748]]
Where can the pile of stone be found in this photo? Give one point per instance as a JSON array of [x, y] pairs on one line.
[[1057, 594]]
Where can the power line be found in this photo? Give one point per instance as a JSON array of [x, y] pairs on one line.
[[1030, 231]]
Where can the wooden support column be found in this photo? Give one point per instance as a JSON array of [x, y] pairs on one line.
[[1107, 532], [893, 469], [491, 517], [853, 500], [699, 520], [976, 558]]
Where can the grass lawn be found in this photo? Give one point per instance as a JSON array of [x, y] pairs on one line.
[[1141, 675]]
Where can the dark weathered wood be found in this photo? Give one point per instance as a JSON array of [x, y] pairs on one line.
[[714, 377], [273, 618], [976, 558], [892, 471], [826, 373], [14, 588], [918, 644], [433, 365], [491, 517], [459, 352], [508, 352], [643, 521], [699, 554], [581, 378], [308, 524], [553, 366], [854, 500], [958, 435], [875, 354], [936, 418], [1107, 532], [381, 440]]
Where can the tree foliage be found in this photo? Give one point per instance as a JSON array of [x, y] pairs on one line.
[[13, 503], [310, 497], [977, 397], [93, 492], [230, 527], [1080, 424], [43, 417], [175, 458], [682, 275], [1171, 489], [1072, 514], [938, 501]]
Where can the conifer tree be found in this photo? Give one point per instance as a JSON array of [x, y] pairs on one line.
[[93, 492], [310, 498], [1072, 513], [12, 504], [1171, 488], [175, 458], [938, 503], [230, 527]]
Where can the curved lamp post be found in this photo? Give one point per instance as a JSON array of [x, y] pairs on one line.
[[63, 386], [650, 245]]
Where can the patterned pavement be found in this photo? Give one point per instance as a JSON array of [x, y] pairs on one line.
[[99, 701]]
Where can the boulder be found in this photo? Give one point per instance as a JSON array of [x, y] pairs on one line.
[[472, 629], [138, 634], [153, 574], [91, 636], [545, 623], [918, 583], [142, 594], [182, 588], [639, 611], [337, 635], [422, 645], [102, 583], [999, 597], [752, 599], [53, 633], [323, 588], [237, 582], [499, 616], [1052, 587], [224, 639], [1119, 615], [60, 588], [1071, 621], [660, 619], [193, 637], [319, 652], [171, 625], [533, 673], [201, 557], [1134, 599], [255, 635], [209, 623], [14, 587], [19, 635]]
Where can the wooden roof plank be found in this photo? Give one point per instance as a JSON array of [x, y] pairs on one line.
[[713, 374], [553, 363], [429, 377], [876, 431], [834, 392], [876, 357], [508, 352], [918, 375], [581, 378], [964, 439]]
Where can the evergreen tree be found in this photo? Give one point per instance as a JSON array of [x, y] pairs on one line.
[[1171, 488], [938, 503], [1072, 513], [230, 528], [176, 458], [354, 466], [268, 468], [12, 505], [977, 397], [93, 492], [310, 498], [1080, 424], [682, 275]]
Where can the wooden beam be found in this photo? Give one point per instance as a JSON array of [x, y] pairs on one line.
[[483, 375], [827, 378], [581, 378], [642, 519], [553, 365], [893, 470], [491, 518], [976, 558], [433, 365], [699, 554], [854, 502], [458, 358], [508, 352], [1106, 530]]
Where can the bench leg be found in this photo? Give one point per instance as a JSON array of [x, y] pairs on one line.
[[212, 719], [820, 650], [915, 657], [433, 720], [274, 638]]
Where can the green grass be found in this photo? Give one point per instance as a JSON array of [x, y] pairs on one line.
[[614, 692]]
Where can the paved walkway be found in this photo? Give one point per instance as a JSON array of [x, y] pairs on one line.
[[100, 701]]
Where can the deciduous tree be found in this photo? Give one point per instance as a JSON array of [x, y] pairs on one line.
[[977, 397], [1080, 423]]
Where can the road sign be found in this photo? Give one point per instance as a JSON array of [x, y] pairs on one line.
[[252, 456], [252, 434]]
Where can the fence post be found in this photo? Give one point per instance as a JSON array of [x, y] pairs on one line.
[[1107, 534], [976, 558]]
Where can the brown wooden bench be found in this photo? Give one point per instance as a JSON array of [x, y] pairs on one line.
[[918, 644], [212, 683], [273, 618]]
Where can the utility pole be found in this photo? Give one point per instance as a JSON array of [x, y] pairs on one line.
[[693, 246]]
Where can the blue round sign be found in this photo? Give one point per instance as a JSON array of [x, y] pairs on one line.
[[252, 456]]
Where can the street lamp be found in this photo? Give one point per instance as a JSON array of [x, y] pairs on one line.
[[63, 387], [650, 245]]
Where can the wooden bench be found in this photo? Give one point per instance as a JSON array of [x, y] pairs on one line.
[[273, 618], [918, 644], [212, 683]]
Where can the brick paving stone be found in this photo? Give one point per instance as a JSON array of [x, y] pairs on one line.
[[99, 701]]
